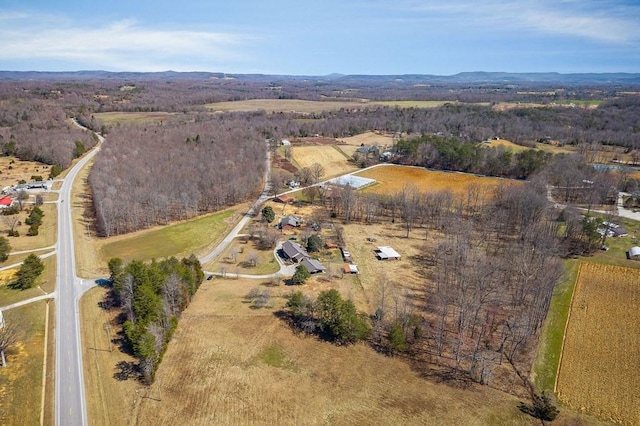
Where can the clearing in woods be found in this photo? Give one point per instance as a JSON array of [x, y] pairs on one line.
[[393, 179], [333, 161], [600, 359]]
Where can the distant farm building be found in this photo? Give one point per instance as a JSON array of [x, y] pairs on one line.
[[356, 182], [634, 253], [619, 232], [284, 199], [285, 142], [330, 245], [37, 184], [387, 253]]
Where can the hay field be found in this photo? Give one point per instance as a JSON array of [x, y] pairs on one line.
[[350, 144], [600, 359], [333, 161], [506, 144], [392, 179], [113, 118], [229, 364]]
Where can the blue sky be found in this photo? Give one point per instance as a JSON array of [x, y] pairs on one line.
[[440, 37]]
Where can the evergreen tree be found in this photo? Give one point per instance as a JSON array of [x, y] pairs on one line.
[[5, 249], [268, 214], [30, 270], [301, 275]]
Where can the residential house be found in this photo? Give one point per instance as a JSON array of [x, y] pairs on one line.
[[289, 222], [294, 251], [313, 265]]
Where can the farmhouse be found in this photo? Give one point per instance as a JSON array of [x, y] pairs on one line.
[[634, 253], [289, 222], [5, 202], [37, 184], [387, 253], [294, 251], [312, 265]]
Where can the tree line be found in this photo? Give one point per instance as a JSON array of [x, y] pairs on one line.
[[151, 298]]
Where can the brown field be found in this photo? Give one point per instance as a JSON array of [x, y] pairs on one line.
[[333, 161], [600, 358], [47, 232], [506, 144], [112, 118], [229, 364], [13, 169], [282, 105], [393, 179]]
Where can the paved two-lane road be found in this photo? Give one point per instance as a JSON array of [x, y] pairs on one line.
[[70, 406]]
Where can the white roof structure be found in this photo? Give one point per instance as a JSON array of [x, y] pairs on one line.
[[356, 182], [386, 252], [1, 320], [634, 251]]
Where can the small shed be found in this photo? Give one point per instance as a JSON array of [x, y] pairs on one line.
[[346, 255], [285, 142], [387, 253], [634, 253], [5, 202], [350, 268], [290, 222]]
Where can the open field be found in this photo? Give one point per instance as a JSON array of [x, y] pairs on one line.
[[393, 179], [335, 163], [506, 144], [21, 381], [13, 170], [302, 106], [113, 118], [598, 372], [350, 144], [229, 364]]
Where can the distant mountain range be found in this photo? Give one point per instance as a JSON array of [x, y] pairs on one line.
[[478, 77]]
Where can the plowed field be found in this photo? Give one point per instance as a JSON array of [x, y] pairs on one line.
[[601, 355]]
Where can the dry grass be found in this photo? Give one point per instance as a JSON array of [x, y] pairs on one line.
[[506, 144], [47, 233], [112, 118], [334, 161], [393, 179], [13, 170], [599, 368], [266, 264], [350, 144], [229, 364], [21, 381]]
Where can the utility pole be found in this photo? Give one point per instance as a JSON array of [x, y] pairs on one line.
[[107, 328]]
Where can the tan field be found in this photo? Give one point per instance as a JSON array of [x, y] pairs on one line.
[[600, 359], [506, 144], [350, 144], [393, 179], [334, 162], [229, 364], [113, 118], [13, 169]]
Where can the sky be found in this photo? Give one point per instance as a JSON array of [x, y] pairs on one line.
[[375, 37]]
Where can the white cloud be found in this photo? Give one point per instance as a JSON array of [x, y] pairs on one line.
[[611, 22], [121, 45]]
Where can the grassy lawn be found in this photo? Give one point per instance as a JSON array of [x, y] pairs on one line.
[[265, 265], [21, 381], [546, 365], [178, 240], [47, 233], [46, 281]]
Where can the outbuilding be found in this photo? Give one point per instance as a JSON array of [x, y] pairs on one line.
[[634, 253], [350, 268], [5, 202], [387, 253]]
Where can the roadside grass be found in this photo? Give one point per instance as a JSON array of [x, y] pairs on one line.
[[46, 282], [178, 240], [21, 380], [17, 258], [545, 367]]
